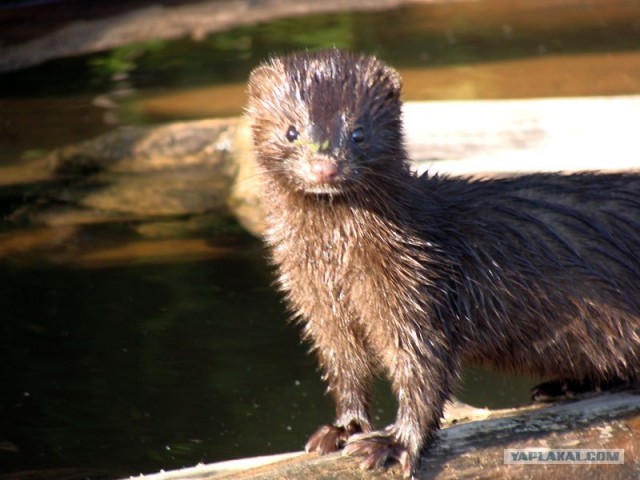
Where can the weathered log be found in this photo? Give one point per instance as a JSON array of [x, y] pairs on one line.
[[196, 20], [509, 136], [178, 169], [472, 448], [206, 166]]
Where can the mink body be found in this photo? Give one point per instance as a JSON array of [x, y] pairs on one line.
[[414, 276]]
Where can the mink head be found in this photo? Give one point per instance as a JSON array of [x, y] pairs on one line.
[[326, 122]]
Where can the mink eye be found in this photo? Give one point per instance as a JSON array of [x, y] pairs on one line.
[[292, 133], [357, 135]]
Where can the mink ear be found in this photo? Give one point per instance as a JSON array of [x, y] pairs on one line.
[[262, 79], [394, 79]]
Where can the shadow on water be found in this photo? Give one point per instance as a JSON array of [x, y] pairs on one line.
[[134, 368]]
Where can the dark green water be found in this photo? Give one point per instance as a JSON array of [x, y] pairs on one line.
[[135, 368]]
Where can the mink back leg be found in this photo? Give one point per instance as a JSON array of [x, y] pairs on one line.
[[563, 389]]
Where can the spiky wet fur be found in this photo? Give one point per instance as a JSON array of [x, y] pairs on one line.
[[415, 276]]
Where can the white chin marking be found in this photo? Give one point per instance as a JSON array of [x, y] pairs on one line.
[[322, 190]]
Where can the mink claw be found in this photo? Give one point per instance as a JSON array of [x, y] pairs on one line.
[[327, 439], [379, 450]]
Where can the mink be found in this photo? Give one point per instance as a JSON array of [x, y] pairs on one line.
[[414, 277]]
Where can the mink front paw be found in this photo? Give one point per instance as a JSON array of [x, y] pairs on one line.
[[380, 449], [331, 438]]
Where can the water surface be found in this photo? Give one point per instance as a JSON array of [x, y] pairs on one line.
[[144, 365]]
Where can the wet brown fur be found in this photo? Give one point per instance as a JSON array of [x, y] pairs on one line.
[[415, 276]]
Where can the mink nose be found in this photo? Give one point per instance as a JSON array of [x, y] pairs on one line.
[[323, 171]]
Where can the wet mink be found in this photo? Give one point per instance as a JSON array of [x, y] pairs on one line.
[[415, 276]]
